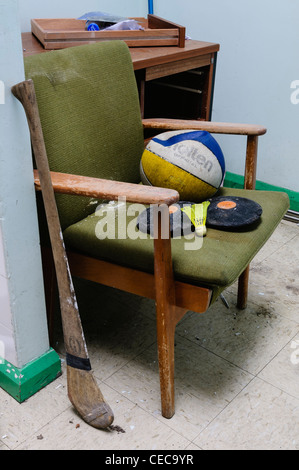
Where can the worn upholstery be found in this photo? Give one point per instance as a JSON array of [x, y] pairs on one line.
[[218, 263], [91, 123]]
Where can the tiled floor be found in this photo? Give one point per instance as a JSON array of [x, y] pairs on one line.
[[237, 372]]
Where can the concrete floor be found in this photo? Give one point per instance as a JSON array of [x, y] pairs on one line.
[[237, 372]]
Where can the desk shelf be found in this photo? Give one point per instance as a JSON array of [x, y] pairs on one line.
[[180, 95]]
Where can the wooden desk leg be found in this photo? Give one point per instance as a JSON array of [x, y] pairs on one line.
[[243, 289], [140, 80], [208, 91]]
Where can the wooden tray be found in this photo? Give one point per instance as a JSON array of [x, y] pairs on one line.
[[68, 32]]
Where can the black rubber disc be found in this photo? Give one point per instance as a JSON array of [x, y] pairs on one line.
[[232, 212], [180, 224]]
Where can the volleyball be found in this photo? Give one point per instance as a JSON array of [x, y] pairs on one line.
[[188, 161]]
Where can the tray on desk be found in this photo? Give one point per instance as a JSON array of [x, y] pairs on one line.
[[60, 33]]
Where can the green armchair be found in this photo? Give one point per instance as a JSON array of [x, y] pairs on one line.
[[94, 137]]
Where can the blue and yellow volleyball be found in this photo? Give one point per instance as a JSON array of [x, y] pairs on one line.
[[189, 161]]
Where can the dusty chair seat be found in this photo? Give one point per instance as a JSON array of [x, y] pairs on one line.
[[90, 115], [217, 264]]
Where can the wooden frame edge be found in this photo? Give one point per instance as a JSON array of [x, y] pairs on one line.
[[187, 296]]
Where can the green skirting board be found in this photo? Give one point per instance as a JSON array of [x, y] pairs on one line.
[[232, 180], [25, 382]]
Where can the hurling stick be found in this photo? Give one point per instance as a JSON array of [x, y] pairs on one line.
[[83, 390]]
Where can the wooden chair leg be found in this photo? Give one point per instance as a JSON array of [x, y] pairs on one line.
[[166, 323], [165, 337], [243, 289], [167, 317], [165, 307]]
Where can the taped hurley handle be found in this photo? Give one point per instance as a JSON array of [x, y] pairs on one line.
[[83, 390]]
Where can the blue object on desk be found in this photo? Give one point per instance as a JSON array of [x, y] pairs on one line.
[[92, 27], [151, 7]]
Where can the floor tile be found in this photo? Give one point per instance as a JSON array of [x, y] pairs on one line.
[[286, 231], [283, 370], [138, 430], [193, 447], [262, 417], [3, 446], [115, 327], [276, 283], [19, 420], [247, 338], [204, 385]]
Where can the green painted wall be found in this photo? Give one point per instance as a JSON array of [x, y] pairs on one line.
[[236, 181]]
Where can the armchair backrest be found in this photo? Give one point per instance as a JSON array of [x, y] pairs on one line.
[[90, 114]]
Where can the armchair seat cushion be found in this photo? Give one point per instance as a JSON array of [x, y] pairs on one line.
[[217, 264]]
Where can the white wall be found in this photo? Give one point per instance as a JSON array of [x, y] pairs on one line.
[[76, 8], [23, 326], [7, 340], [257, 62]]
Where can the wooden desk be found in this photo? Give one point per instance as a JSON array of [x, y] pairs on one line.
[[173, 82]]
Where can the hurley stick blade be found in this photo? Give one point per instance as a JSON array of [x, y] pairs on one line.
[[83, 390]]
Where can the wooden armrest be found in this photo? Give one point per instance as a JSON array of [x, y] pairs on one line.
[[106, 189], [212, 127]]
